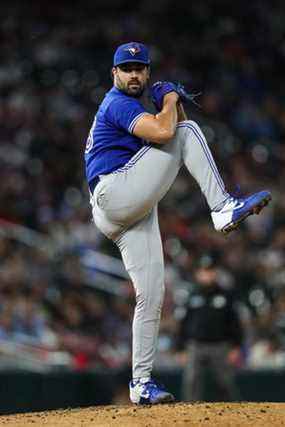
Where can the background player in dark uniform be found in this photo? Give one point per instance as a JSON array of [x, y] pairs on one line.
[[212, 330]]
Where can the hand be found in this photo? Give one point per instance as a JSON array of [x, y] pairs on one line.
[[171, 96], [158, 92], [160, 89], [181, 115], [235, 357]]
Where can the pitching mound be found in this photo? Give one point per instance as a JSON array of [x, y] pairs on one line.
[[180, 414]]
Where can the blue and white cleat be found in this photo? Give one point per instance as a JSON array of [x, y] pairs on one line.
[[237, 210], [150, 392]]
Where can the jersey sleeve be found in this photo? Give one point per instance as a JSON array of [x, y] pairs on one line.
[[125, 112]]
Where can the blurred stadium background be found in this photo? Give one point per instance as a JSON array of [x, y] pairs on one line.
[[66, 302]]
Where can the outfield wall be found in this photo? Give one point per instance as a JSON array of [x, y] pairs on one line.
[[25, 391]]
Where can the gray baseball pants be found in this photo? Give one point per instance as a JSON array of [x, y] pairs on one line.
[[214, 356], [125, 209]]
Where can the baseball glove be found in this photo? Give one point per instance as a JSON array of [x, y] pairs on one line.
[[161, 88]]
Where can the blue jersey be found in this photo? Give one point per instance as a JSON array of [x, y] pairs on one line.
[[111, 142]]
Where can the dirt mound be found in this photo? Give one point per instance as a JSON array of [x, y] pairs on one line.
[[175, 415]]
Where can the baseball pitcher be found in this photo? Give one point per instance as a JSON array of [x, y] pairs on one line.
[[132, 158]]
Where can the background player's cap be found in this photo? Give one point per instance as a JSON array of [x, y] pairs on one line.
[[131, 52]]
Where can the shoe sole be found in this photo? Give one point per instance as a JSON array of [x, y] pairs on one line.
[[255, 210], [166, 399]]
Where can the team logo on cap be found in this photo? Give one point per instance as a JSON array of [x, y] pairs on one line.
[[133, 50]]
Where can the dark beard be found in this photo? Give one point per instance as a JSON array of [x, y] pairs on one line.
[[137, 94], [127, 91]]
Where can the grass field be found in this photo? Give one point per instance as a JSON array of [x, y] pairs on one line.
[[179, 414]]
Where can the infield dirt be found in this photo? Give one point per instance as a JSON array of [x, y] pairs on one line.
[[177, 415]]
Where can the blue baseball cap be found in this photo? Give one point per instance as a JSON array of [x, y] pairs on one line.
[[131, 52]]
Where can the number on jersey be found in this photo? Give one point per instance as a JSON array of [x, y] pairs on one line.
[[90, 139]]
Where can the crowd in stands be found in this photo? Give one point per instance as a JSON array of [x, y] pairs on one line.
[[55, 63]]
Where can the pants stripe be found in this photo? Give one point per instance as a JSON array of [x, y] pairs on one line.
[[207, 154], [133, 161]]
